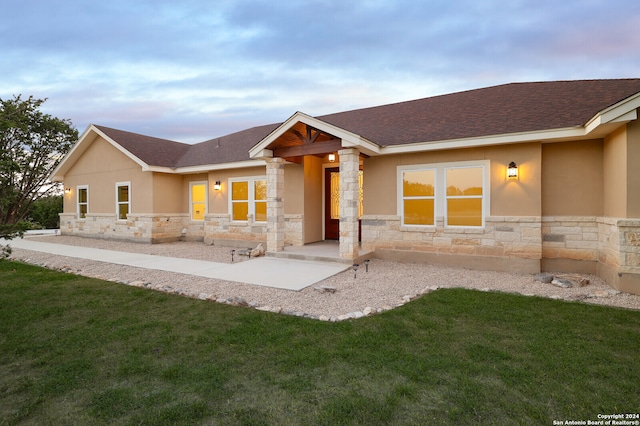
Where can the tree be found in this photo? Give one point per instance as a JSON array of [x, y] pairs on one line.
[[32, 144], [45, 211]]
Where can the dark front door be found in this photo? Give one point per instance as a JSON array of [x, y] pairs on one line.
[[332, 204]]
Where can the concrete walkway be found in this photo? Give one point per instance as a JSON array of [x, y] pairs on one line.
[[286, 274]]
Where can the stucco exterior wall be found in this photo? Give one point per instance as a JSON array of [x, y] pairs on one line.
[[313, 196], [168, 196], [100, 168], [572, 178], [508, 197], [220, 229], [294, 188], [615, 174], [574, 207], [511, 238], [219, 200], [633, 163], [159, 209]]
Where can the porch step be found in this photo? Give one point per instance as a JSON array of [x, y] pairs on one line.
[[317, 257]]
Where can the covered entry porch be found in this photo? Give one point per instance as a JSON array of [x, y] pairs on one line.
[[319, 148]]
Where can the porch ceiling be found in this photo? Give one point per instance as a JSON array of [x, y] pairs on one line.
[[302, 139]]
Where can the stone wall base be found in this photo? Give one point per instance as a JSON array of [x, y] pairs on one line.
[[569, 266], [628, 282], [484, 263], [233, 243], [139, 228], [607, 247]]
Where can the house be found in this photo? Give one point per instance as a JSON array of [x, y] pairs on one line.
[[522, 177]]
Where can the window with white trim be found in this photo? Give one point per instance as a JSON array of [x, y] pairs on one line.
[[418, 197], [83, 201], [198, 200], [123, 200], [464, 196], [248, 196], [458, 193]]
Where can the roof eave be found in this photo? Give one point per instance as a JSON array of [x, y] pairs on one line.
[[619, 113], [209, 167], [510, 138]]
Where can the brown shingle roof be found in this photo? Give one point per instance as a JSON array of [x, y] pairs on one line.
[[509, 108], [153, 151], [226, 149], [504, 109]]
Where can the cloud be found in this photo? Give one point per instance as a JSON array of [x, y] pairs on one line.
[[194, 69]]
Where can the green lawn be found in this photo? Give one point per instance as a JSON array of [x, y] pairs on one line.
[[75, 350]]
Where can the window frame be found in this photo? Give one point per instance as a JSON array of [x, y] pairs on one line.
[[206, 199], [118, 203], [78, 203], [440, 193], [402, 198], [251, 210], [464, 197]]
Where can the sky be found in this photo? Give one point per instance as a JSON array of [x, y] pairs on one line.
[[192, 70]]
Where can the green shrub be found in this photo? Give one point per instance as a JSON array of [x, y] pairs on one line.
[[45, 212]]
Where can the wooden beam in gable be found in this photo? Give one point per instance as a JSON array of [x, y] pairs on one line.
[[310, 137]]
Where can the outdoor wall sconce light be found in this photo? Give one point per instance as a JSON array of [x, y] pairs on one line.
[[67, 190], [332, 157], [217, 185], [512, 171]]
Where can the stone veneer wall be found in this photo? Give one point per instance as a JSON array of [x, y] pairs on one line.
[[570, 238], [147, 228], [220, 229], [608, 247], [158, 228], [619, 254], [294, 229], [503, 237]]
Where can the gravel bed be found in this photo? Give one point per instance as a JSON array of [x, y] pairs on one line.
[[385, 286]]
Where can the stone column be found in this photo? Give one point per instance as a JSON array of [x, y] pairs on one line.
[[275, 204], [349, 195]]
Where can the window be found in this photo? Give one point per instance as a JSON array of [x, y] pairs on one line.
[[464, 196], [418, 196], [83, 201], [198, 195], [456, 193], [123, 200], [249, 197], [334, 194], [260, 200]]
